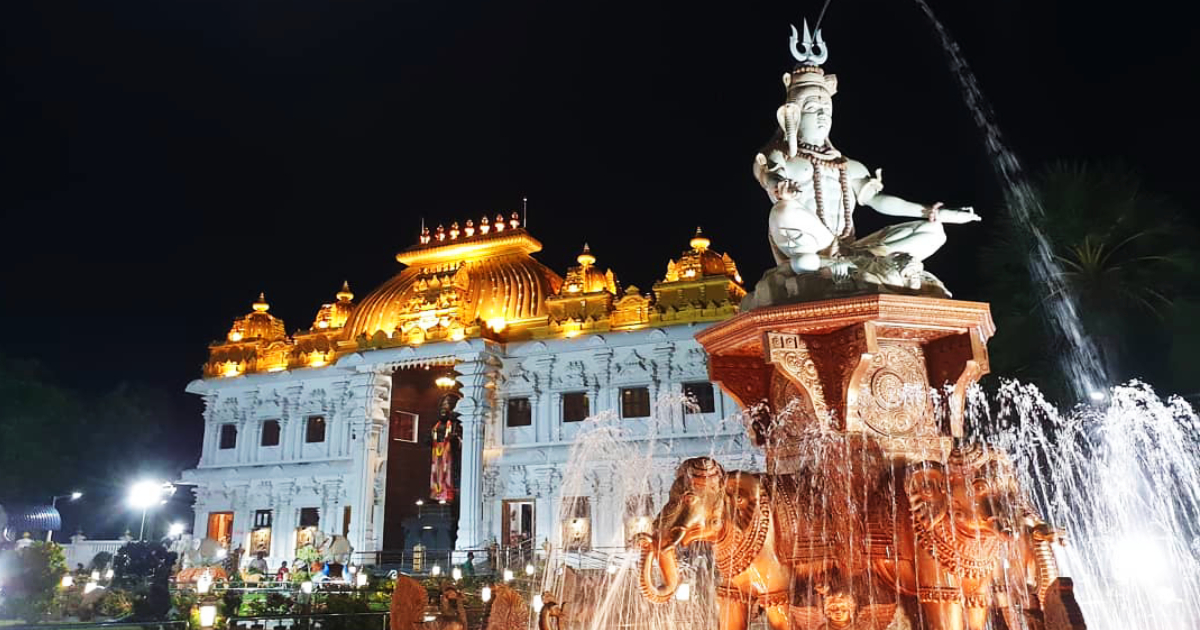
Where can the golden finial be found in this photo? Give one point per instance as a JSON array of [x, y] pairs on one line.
[[440, 233], [261, 306], [345, 295], [515, 221], [454, 230], [484, 225], [500, 222], [469, 230], [699, 242], [586, 258]]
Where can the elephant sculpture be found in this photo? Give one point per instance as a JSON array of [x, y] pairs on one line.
[[831, 548], [409, 601]]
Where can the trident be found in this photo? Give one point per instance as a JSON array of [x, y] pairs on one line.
[[811, 48]]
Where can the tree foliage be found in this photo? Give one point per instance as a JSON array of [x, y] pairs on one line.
[[31, 578], [144, 570], [1127, 257]]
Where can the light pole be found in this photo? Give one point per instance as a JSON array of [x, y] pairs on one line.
[[74, 496], [146, 494]]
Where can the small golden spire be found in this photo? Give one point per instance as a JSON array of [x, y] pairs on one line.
[[699, 242], [586, 258], [261, 306], [345, 295]]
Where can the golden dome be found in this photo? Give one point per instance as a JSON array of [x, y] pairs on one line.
[[334, 315], [452, 285], [586, 277], [258, 324]]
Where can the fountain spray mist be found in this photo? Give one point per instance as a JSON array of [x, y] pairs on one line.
[[1082, 361]]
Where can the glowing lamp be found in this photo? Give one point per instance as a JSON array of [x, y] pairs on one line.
[[537, 603], [306, 587], [456, 573], [486, 594], [67, 581], [208, 615], [529, 569], [508, 575], [612, 569], [89, 587], [437, 570], [361, 579], [75, 495], [684, 592], [429, 618], [445, 382], [176, 529], [144, 494], [203, 583]]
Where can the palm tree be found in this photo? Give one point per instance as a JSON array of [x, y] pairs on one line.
[[1123, 253]]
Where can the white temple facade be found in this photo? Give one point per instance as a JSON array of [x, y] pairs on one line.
[[327, 430]]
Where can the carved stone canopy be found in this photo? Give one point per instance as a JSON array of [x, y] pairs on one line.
[[862, 365]]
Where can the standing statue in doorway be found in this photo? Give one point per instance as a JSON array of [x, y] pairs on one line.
[[815, 190], [447, 433]]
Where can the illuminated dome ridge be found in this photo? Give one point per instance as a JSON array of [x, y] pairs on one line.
[[453, 285]]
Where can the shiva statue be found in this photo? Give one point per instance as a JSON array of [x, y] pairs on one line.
[[815, 190]]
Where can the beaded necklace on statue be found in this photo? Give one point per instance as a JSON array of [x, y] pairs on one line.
[[816, 156]]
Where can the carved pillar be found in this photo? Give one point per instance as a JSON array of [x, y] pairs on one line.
[[477, 380]]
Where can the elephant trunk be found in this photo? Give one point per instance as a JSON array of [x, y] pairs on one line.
[[788, 117], [666, 561], [1045, 563]]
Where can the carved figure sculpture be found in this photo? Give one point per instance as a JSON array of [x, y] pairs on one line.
[[508, 611], [815, 189], [551, 614], [409, 601], [780, 541]]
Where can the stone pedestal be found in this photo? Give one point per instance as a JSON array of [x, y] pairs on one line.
[[888, 367]]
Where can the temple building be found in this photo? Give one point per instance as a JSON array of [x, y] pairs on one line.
[[461, 381]]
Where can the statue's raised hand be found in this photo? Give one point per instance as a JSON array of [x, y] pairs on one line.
[[948, 215], [786, 189], [873, 186]]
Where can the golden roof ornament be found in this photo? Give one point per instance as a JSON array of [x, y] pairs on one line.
[[586, 258], [345, 295], [699, 242], [261, 306]]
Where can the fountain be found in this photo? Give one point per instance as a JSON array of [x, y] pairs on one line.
[[895, 494]]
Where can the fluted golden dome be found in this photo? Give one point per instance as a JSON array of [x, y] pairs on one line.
[[257, 324], [454, 284]]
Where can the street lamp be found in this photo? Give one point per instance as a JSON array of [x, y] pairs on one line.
[[176, 530], [74, 496], [145, 495]]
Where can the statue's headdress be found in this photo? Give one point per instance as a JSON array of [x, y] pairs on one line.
[[809, 54]]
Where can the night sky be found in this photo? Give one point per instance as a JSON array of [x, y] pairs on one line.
[[164, 162]]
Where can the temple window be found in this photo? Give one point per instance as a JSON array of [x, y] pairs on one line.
[[639, 510], [228, 436], [520, 414], [314, 429], [577, 524], [699, 398], [270, 433], [635, 402], [575, 406], [260, 537], [220, 527]]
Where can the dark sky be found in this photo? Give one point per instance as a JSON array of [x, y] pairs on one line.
[[166, 161]]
